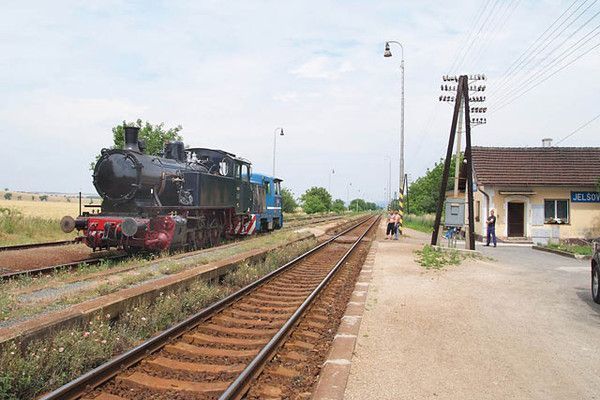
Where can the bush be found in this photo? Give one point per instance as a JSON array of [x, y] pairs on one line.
[[289, 203], [319, 193], [8, 195], [432, 258]]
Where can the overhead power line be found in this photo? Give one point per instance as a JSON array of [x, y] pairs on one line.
[[542, 46], [555, 61], [578, 129], [516, 62], [546, 78]]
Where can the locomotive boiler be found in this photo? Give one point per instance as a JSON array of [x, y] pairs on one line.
[[190, 198]]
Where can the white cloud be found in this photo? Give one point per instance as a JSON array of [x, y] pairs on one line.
[[323, 68]]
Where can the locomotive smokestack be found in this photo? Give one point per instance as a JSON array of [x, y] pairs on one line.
[[131, 138]]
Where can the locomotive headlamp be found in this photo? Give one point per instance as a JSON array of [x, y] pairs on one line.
[[387, 52]]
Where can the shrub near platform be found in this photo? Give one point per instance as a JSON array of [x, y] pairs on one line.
[[43, 365], [431, 258]]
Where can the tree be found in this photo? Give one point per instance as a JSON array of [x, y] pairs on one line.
[[338, 206], [371, 206], [19, 197], [320, 193], [423, 194], [357, 205], [154, 136], [43, 197], [313, 204], [8, 195], [32, 198], [289, 204]]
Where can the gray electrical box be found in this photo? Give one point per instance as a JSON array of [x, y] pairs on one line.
[[455, 212]]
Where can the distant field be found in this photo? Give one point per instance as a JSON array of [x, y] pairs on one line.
[[42, 209], [32, 221]]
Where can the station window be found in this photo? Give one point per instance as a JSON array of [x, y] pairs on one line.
[[477, 211], [556, 211]]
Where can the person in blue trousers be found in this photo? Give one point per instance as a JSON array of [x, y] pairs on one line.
[[491, 228]]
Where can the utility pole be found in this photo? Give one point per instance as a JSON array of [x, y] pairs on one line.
[[387, 53], [461, 103], [457, 156], [332, 172], [280, 130]]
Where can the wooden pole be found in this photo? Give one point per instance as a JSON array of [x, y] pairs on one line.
[[443, 186], [469, 160]]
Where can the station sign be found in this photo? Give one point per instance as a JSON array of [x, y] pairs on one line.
[[585, 197]]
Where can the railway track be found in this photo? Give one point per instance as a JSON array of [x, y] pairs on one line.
[[36, 245], [51, 268], [219, 351], [94, 261]]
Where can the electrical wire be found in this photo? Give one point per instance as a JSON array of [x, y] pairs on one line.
[[578, 129], [490, 33], [534, 48], [545, 79], [557, 60], [485, 22]]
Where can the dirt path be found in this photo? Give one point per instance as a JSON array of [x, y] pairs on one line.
[[520, 327]]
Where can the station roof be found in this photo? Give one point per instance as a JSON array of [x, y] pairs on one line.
[[536, 166]]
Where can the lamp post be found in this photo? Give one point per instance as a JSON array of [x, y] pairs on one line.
[[348, 193], [275, 145], [389, 182], [331, 173], [387, 53]]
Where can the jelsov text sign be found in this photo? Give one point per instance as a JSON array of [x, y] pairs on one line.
[[585, 197]]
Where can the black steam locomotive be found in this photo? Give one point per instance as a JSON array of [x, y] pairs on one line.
[[191, 197]]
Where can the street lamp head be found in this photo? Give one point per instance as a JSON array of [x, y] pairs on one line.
[[281, 133], [387, 52]]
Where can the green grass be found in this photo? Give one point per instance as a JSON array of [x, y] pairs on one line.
[[16, 228], [432, 258], [422, 223], [42, 365], [572, 248]]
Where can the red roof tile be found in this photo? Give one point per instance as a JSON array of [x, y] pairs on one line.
[[536, 166]]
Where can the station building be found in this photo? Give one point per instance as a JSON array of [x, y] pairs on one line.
[[539, 194]]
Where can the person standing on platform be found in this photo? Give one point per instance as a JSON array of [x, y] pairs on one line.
[[491, 228], [396, 224], [389, 231]]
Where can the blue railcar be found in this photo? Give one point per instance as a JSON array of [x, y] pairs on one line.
[[271, 216]]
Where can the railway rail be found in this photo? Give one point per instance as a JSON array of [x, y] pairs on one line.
[[51, 268], [36, 245], [219, 351]]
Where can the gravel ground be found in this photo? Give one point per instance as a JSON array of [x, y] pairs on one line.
[[520, 327], [19, 260]]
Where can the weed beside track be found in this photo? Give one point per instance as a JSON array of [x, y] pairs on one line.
[[39, 366]]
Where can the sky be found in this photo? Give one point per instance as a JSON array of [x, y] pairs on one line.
[[232, 72]]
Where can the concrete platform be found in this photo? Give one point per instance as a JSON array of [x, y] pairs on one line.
[[521, 326]]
